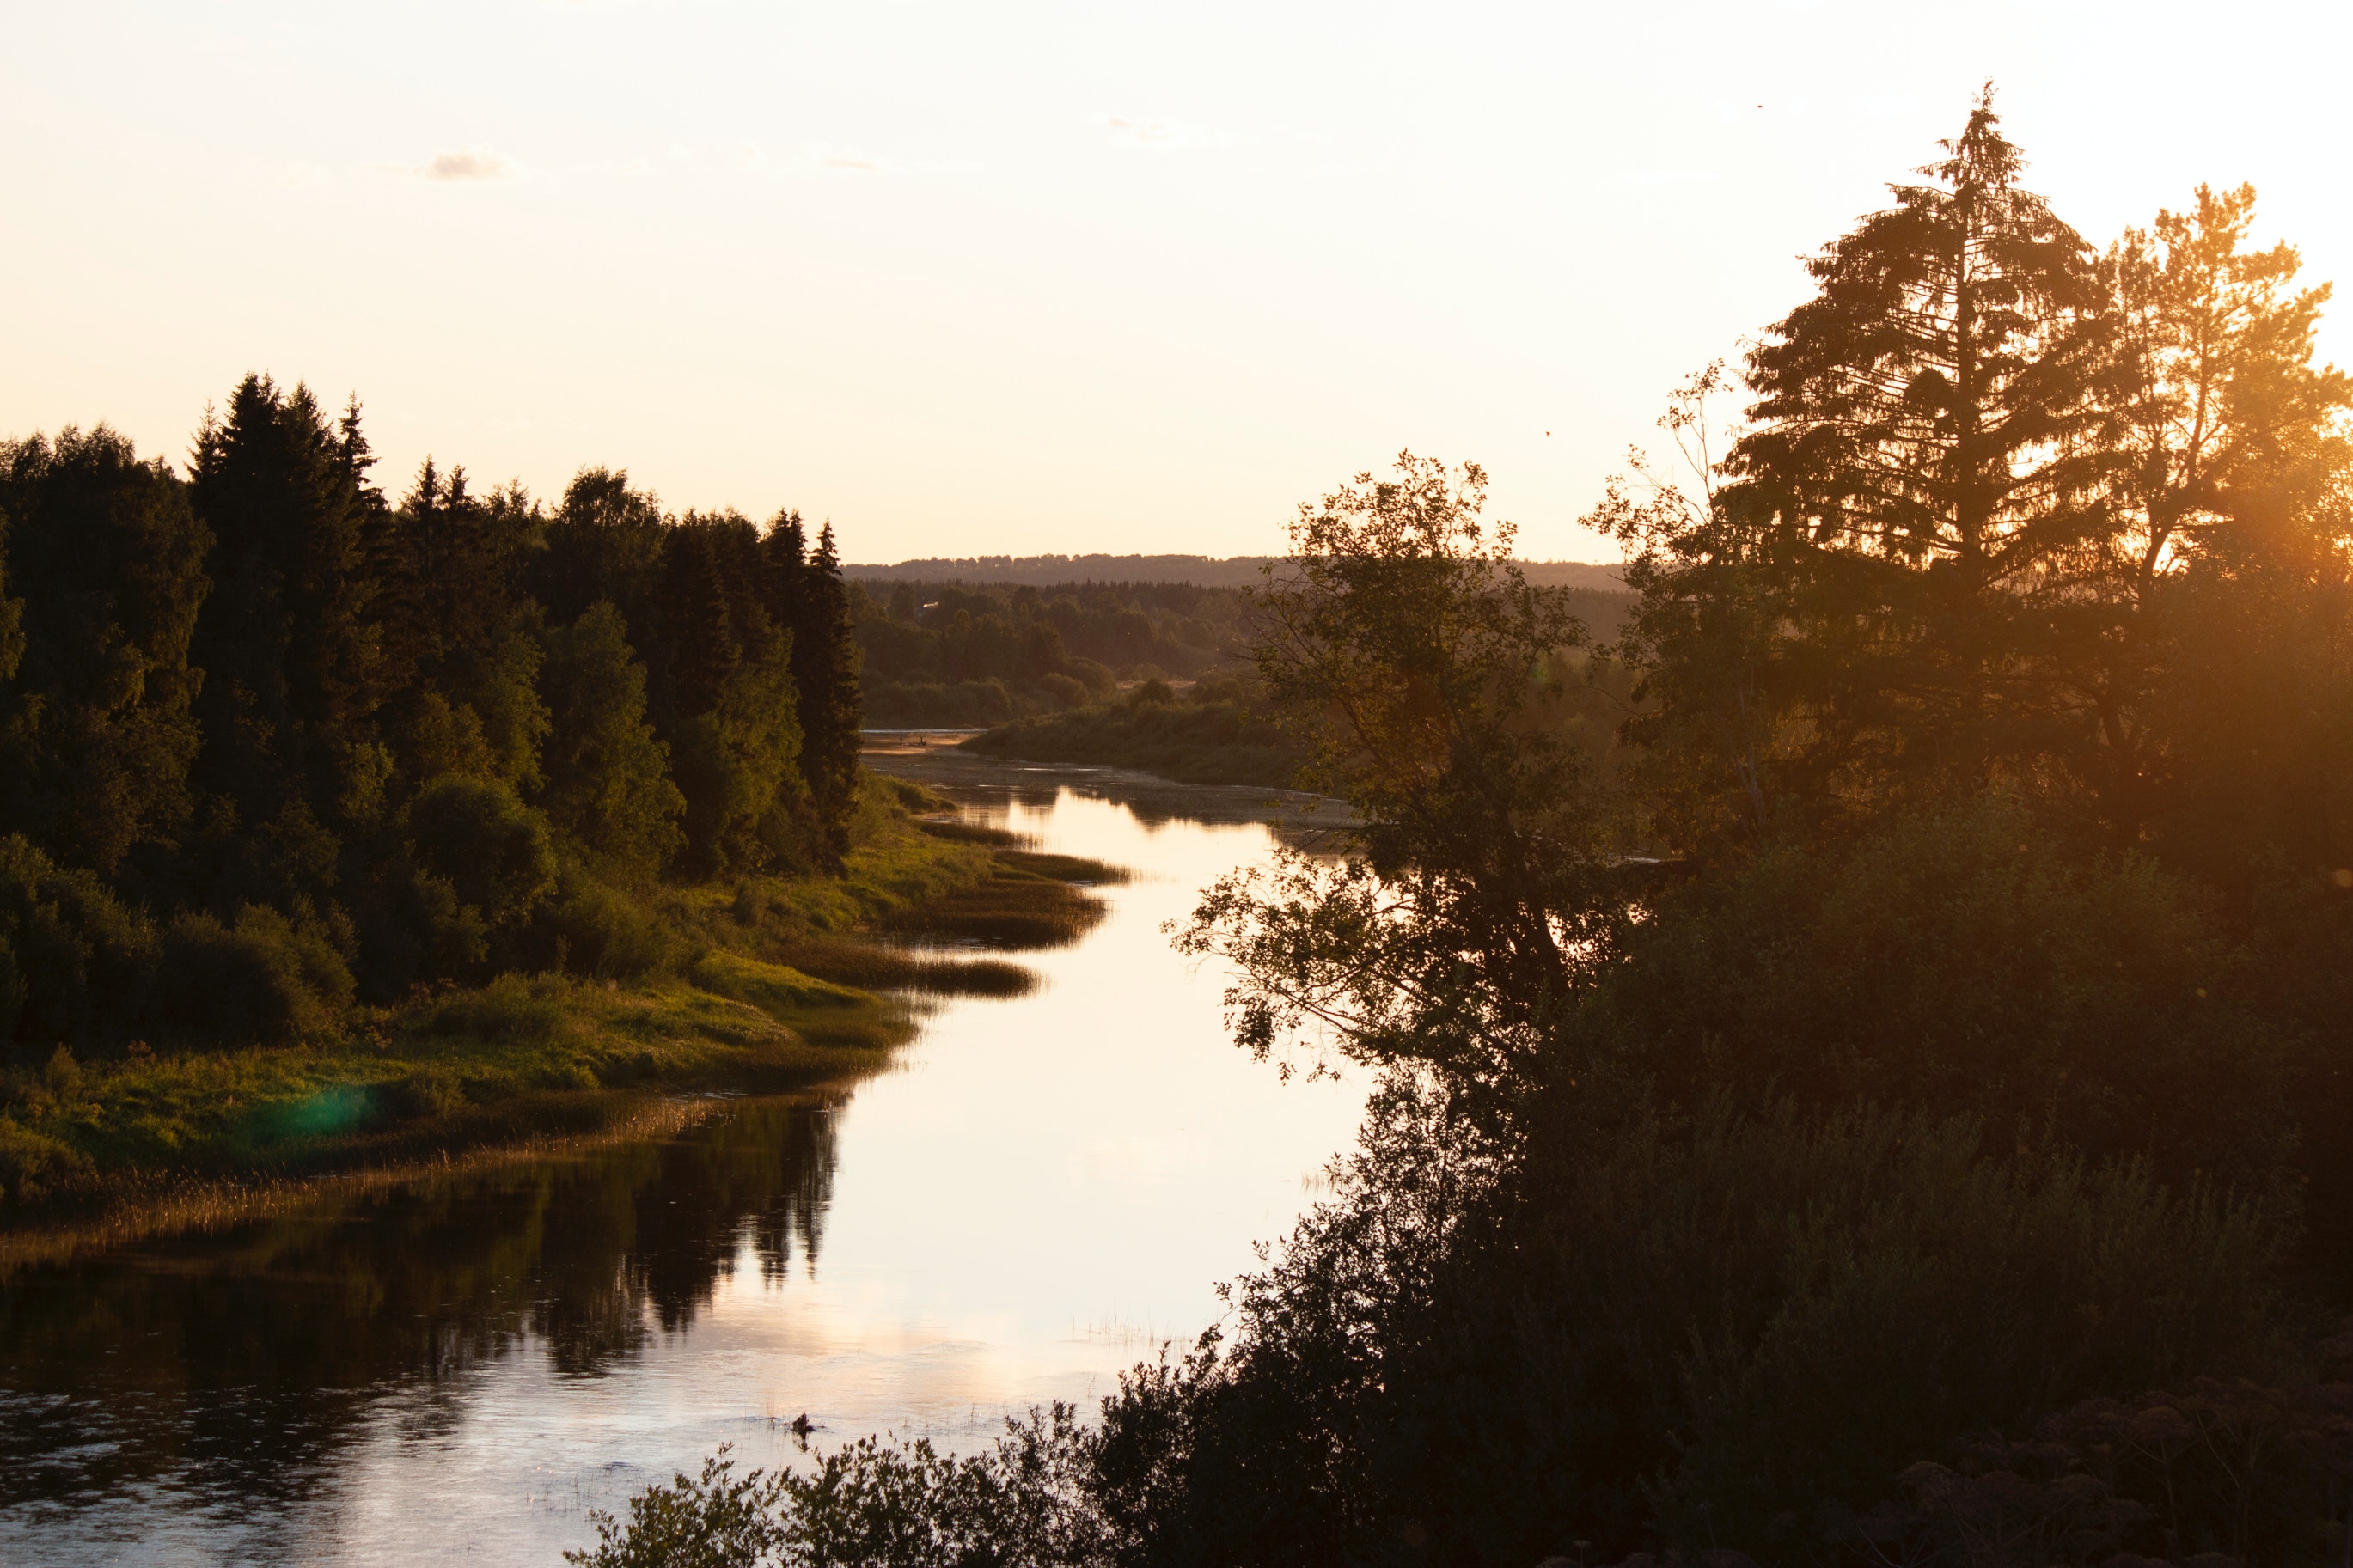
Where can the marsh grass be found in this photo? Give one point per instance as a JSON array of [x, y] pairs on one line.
[[957, 831], [1013, 908], [885, 966], [1065, 867]]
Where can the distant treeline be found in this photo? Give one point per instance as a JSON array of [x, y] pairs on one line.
[[270, 739], [1203, 571], [951, 654], [962, 653]]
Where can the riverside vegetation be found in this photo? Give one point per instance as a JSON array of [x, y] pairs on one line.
[[1888, 1103], [335, 830]]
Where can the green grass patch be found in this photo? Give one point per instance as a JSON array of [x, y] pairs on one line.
[[1011, 909], [767, 985], [1214, 741]]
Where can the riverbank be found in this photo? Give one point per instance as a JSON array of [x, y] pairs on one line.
[[1203, 738], [762, 984]]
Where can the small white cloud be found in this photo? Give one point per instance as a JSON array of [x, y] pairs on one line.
[[474, 163]]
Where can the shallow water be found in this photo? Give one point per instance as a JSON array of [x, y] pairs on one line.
[[1040, 1193]]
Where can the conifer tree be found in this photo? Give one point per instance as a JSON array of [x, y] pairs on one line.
[[288, 703], [1922, 471], [824, 669], [97, 734], [608, 776], [697, 645]]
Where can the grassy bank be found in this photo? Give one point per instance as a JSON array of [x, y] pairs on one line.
[[760, 985], [1208, 737]]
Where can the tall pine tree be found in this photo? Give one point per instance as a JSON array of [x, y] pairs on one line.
[[1922, 469], [288, 703], [805, 594]]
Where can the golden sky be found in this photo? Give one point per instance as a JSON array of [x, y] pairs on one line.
[[1018, 277]]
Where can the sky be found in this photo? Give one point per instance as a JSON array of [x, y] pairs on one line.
[[1018, 277]]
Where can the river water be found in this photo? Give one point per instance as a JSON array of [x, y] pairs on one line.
[[1038, 1194]]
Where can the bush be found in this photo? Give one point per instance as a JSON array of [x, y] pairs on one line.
[[32, 1164], [74, 964], [1966, 960], [591, 928], [492, 850], [428, 1091], [1730, 1331], [263, 980], [509, 1008]]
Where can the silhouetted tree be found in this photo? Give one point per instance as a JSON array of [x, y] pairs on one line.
[[287, 708], [604, 541], [806, 595], [1920, 462]]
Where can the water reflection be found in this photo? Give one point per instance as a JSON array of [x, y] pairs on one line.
[[456, 1370], [236, 1363]]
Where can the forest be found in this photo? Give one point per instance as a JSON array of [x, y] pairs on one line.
[[306, 792], [955, 655], [1883, 1099]]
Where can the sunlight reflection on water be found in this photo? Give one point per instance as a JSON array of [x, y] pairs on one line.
[[1041, 1192]]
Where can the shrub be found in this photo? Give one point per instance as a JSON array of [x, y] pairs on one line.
[[1728, 1331], [1964, 959], [263, 980], [510, 1007], [593, 929], [74, 964], [32, 1164], [426, 1092], [495, 852]]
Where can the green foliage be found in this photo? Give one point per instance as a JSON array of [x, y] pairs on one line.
[[289, 689], [260, 981], [590, 927], [74, 964], [1209, 738], [97, 731], [808, 599], [873, 1504], [494, 851], [608, 785], [1965, 959], [1417, 665], [1038, 649], [604, 542]]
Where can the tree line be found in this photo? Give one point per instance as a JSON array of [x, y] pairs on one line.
[[1892, 1108], [270, 740], [954, 652]]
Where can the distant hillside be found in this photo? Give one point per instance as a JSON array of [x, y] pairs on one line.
[[1207, 572]]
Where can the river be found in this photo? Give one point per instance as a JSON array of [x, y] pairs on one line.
[[1039, 1192]]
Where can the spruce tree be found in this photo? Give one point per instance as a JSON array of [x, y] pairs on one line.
[[811, 598], [1922, 472], [287, 708], [698, 652], [609, 788]]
